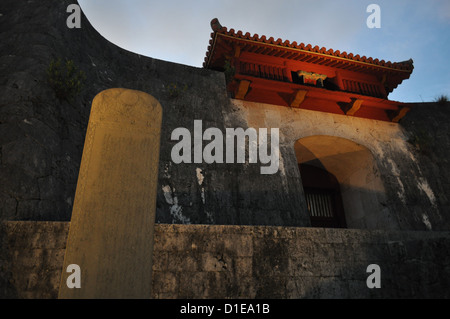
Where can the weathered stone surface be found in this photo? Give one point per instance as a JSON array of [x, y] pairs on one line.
[[54, 131], [42, 137], [31, 255], [112, 225], [41, 144], [427, 128], [205, 261], [277, 262]]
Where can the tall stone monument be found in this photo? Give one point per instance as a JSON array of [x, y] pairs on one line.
[[111, 231]]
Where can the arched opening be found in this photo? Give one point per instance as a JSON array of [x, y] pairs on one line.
[[341, 183]]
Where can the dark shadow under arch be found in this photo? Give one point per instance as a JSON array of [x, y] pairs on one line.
[[323, 197], [355, 173]]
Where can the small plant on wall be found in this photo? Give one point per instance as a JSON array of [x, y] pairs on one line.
[[65, 78], [442, 99], [175, 89]]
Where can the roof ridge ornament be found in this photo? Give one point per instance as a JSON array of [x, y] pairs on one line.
[[215, 25], [409, 62]]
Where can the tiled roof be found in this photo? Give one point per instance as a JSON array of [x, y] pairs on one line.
[[405, 66]]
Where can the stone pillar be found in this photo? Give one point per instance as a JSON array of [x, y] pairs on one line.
[[111, 230]]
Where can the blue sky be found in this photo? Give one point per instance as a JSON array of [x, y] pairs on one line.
[[179, 31]]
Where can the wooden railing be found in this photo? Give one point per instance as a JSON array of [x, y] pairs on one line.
[[283, 74], [263, 71]]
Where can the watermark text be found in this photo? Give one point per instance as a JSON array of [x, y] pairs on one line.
[[213, 152]]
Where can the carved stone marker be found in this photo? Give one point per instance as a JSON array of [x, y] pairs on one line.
[[111, 230]]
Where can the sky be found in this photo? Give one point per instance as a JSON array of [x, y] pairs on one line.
[[179, 31]]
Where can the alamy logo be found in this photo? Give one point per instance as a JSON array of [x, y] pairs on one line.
[[74, 279], [74, 19], [374, 279], [258, 146], [374, 19]]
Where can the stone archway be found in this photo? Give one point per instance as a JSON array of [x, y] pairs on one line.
[[355, 169]]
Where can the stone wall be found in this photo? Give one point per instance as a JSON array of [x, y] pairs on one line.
[[31, 259], [427, 129], [204, 261], [42, 135], [41, 143]]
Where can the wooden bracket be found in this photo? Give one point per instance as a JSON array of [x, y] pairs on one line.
[[242, 89], [237, 51], [297, 98], [384, 79], [352, 107], [397, 116]]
